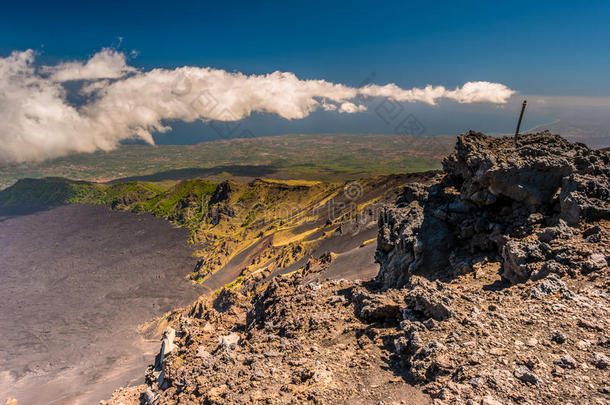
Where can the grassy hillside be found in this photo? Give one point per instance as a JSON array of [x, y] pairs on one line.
[[55, 190], [266, 223], [248, 203]]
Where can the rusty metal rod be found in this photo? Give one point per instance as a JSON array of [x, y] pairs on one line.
[[520, 117]]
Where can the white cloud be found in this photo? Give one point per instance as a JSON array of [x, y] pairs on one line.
[[471, 92], [37, 122], [106, 64], [351, 108]]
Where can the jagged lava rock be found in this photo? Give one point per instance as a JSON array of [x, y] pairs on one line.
[[507, 198]]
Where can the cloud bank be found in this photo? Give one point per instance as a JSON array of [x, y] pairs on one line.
[[37, 122]]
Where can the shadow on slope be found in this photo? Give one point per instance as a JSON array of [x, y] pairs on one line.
[[191, 173]]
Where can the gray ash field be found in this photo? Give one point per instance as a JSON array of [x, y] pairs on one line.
[[76, 281]]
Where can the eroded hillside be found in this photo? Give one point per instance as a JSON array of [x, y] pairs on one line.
[[242, 227], [493, 289], [493, 285]]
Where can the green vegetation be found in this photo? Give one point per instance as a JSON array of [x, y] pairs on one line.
[[233, 195], [332, 157], [55, 191], [191, 195], [49, 191], [281, 221]]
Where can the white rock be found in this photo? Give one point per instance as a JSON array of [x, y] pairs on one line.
[[489, 400], [167, 344], [228, 341]]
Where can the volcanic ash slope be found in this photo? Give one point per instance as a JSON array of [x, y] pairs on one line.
[[493, 289]]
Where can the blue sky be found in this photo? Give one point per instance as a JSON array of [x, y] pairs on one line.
[[558, 49]]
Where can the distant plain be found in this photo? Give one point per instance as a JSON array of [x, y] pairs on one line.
[[335, 157]]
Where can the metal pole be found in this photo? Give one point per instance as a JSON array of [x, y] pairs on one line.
[[520, 117]]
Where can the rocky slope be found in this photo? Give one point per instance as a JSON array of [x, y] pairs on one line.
[[235, 225], [493, 289], [502, 197]]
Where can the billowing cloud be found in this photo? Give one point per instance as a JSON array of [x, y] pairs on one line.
[[351, 108], [37, 122], [471, 92], [106, 64]]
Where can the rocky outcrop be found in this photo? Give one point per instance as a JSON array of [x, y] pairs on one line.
[[296, 339], [492, 289], [167, 346], [500, 198], [292, 340], [535, 209]]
